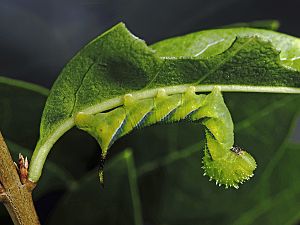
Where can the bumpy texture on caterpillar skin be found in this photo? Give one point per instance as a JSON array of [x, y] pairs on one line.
[[222, 161]]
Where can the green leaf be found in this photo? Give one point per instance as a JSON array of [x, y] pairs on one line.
[[117, 203], [21, 105], [116, 63], [262, 24]]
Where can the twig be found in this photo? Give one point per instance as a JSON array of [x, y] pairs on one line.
[[16, 189]]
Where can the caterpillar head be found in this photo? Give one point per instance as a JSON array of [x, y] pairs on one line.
[[231, 167]]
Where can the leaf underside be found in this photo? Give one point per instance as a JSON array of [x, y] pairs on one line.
[[117, 63]]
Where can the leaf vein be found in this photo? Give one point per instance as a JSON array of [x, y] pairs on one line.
[[226, 59], [78, 89]]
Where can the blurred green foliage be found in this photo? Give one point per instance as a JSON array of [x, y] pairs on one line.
[[160, 180]]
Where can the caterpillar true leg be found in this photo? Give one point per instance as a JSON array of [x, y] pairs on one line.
[[224, 163]]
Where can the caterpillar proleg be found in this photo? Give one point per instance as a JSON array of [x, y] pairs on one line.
[[223, 162]]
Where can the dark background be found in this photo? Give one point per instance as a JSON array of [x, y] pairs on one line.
[[38, 37]]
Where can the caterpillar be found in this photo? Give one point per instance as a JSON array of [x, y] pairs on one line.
[[223, 162]]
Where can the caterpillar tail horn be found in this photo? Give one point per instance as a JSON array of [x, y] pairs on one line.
[[101, 170]]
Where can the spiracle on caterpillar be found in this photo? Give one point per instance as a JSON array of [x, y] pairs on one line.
[[226, 164]]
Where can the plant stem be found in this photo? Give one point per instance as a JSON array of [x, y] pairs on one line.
[[15, 195]]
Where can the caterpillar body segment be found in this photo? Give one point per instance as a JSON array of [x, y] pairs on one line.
[[136, 113], [104, 127], [228, 168], [224, 163]]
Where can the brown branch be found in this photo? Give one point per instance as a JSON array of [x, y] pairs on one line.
[[16, 195], [2, 194]]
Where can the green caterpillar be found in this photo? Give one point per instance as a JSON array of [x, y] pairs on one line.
[[222, 161]]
